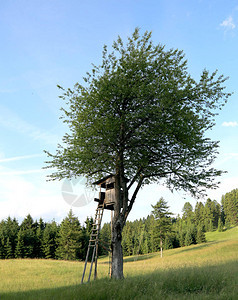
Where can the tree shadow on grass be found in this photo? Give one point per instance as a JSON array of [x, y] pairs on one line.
[[195, 247], [207, 282], [133, 258], [139, 257]]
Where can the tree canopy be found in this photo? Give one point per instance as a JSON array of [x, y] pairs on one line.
[[141, 117], [141, 109]]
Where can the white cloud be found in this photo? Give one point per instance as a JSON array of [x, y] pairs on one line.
[[12, 121], [230, 124], [2, 160], [225, 157], [227, 185], [21, 194], [21, 172], [228, 24]]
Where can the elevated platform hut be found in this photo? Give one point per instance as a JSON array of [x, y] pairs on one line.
[[106, 200], [107, 195]]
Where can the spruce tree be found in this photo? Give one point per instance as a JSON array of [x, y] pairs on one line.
[[20, 247], [230, 206], [8, 249], [49, 240], [188, 238], [40, 227], [163, 220], [199, 214], [28, 236], [200, 238], [69, 238], [105, 239], [2, 240], [12, 228], [220, 225]]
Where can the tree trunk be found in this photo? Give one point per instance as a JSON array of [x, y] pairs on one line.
[[117, 226], [161, 247], [117, 254]]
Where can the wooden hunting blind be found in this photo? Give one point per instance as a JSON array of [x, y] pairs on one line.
[[106, 197], [106, 200]]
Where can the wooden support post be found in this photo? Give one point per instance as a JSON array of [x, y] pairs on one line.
[[86, 261], [91, 264]]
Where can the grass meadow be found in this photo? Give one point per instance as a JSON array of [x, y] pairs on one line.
[[204, 271]]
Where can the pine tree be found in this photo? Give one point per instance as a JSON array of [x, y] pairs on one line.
[[69, 238], [210, 226], [188, 238], [2, 240], [199, 214], [200, 238], [8, 249], [168, 242], [20, 249], [163, 220], [40, 227], [128, 239], [230, 206], [49, 240], [145, 247], [153, 235], [12, 228], [188, 214], [220, 225], [28, 236], [105, 239]]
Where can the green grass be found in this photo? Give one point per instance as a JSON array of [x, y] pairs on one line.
[[205, 271]]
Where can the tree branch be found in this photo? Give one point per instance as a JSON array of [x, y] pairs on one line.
[[134, 178], [139, 184]]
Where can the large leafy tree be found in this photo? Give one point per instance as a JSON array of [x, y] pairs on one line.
[[143, 118]]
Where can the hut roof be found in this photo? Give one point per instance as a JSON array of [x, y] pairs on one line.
[[99, 182], [104, 179]]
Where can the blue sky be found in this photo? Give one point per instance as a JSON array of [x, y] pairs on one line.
[[47, 42]]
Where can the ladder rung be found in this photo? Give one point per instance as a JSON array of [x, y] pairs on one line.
[[93, 241]]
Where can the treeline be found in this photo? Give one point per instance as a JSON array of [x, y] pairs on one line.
[[38, 239], [160, 230]]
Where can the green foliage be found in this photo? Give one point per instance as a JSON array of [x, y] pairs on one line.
[[26, 239], [141, 117], [49, 240], [162, 215], [141, 113], [8, 249], [199, 272], [188, 238], [69, 238], [188, 212], [105, 239], [230, 206], [20, 249], [200, 238], [220, 225]]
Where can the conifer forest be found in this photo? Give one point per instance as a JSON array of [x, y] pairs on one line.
[[160, 230]]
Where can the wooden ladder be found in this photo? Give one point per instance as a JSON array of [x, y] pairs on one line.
[[93, 242]]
